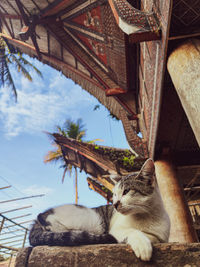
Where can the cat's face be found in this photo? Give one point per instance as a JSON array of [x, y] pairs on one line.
[[132, 193]]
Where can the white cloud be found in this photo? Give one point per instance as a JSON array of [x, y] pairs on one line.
[[41, 104]]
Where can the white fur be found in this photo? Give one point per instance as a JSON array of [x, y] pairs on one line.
[[144, 221], [68, 217]]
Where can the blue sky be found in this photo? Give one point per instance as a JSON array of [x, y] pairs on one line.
[[41, 105]]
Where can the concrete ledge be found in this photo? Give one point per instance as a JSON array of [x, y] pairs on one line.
[[115, 255]]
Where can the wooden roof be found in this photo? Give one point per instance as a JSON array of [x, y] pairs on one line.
[[80, 38], [118, 54], [98, 160]]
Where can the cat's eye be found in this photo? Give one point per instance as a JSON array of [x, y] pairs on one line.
[[126, 191]]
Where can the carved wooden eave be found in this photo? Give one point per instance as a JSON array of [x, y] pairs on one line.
[[78, 34], [100, 189], [98, 161]]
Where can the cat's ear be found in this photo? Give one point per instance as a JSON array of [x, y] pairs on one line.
[[148, 171], [148, 167], [115, 178]]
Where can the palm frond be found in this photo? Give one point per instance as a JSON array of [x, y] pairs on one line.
[[2, 69], [68, 168], [54, 155], [75, 130], [20, 67], [26, 62], [8, 79], [61, 131]]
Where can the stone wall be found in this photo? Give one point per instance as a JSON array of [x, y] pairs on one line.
[[115, 255]]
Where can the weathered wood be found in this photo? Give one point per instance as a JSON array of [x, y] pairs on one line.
[[182, 229], [115, 255], [184, 68]]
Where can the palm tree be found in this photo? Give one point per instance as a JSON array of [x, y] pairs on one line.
[[73, 130], [12, 56]]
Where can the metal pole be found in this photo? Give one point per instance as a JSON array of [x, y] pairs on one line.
[[10, 237], [25, 215], [10, 248], [18, 224], [2, 223], [14, 241], [10, 260], [5, 187], [15, 224], [24, 241], [26, 207], [21, 198], [5, 233]]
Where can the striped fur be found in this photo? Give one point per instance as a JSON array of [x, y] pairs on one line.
[[42, 232]]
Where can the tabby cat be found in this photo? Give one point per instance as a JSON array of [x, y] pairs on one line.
[[137, 217]]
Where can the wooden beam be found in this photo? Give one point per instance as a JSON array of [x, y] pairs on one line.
[[144, 37], [57, 33], [184, 36], [10, 16], [22, 12], [6, 24], [54, 7], [30, 31], [115, 91], [100, 189]]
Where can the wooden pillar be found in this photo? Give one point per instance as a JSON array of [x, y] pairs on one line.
[[182, 229], [184, 68]]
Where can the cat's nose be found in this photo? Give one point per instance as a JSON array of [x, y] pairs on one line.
[[116, 205]]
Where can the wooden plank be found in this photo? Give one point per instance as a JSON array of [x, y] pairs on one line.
[[115, 91], [54, 7], [10, 16]]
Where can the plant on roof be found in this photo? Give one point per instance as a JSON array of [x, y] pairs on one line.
[[128, 160], [10, 56]]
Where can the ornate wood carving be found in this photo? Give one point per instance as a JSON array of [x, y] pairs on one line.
[[29, 29], [133, 21]]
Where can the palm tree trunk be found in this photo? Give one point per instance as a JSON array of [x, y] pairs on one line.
[[76, 186]]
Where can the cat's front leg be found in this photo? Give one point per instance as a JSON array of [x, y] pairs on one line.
[[140, 244]]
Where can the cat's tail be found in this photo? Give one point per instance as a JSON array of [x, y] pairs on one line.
[[40, 237]]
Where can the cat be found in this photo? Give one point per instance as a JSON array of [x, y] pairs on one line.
[[137, 217]]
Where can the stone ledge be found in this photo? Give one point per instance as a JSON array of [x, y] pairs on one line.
[[113, 255]]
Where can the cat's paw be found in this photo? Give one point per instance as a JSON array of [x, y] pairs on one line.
[[141, 245]]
